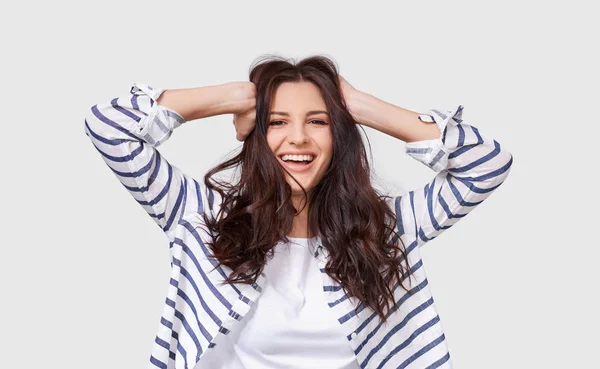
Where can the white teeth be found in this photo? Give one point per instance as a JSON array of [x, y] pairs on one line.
[[297, 157]]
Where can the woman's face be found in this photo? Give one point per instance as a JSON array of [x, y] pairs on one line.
[[299, 125]]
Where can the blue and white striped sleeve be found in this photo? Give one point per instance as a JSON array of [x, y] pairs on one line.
[[470, 166], [126, 132]]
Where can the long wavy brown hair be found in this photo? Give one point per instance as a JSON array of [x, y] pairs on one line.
[[354, 222]]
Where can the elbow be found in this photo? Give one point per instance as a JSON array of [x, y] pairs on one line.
[[509, 163], [505, 161], [89, 120], [95, 122], [91, 117]]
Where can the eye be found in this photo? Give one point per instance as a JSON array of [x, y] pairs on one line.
[[276, 123], [319, 122]]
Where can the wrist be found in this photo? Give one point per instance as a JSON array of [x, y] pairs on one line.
[[361, 106], [239, 96]]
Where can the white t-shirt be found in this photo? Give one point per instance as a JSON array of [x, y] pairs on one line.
[[290, 325]]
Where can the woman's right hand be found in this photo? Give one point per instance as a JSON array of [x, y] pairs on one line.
[[244, 116]]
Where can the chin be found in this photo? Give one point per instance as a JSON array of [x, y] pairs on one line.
[[296, 190]]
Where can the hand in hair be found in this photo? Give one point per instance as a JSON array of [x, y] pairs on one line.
[[349, 95], [244, 119]]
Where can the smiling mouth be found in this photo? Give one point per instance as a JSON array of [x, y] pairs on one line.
[[296, 166]]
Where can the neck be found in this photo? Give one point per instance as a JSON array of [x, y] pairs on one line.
[[300, 225]]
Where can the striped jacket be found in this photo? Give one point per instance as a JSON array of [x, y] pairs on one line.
[[469, 166]]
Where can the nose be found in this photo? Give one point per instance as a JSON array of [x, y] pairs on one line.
[[298, 134]]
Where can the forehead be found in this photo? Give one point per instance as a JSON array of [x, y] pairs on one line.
[[297, 96]]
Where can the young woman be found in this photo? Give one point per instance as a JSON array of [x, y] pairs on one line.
[[300, 263]]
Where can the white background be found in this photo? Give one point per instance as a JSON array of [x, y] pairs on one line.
[[84, 271]]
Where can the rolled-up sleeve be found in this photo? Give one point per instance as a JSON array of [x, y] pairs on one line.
[[470, 166], [126, 131]]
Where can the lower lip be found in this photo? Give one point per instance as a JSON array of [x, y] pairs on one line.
[[297, 167]]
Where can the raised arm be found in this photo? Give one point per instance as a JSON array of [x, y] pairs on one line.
[[470, 164], [127, 130]]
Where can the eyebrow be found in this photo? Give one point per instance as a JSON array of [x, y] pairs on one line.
[[308, 113]]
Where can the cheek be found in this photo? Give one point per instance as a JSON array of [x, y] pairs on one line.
[[326, 145], [272, 141]]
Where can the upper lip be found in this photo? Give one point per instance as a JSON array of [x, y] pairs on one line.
[[298, 153]]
